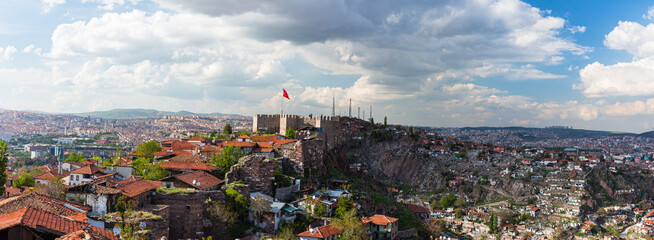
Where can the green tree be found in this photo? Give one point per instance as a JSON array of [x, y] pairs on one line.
[[242, 132], [460, 202], [314, 210], [3, 166], [385, 123], [128, 230], [351, 225], [147, 149], [372, 123], [458, 213], [213, 135], [227, 158], [54, 188], [260, 205], [447, 200], [155, 172], [25, 179], [290, 132], [97, 158], [75, 157], [140, 165], [344, 206], [237, 201], [227, 129]]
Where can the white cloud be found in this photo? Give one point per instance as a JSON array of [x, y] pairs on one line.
[[32, 49], [636, 39], [7, 53], [577, 29], [630, 108], [49, 4], [111, 4], [650, 13], [621, 79]]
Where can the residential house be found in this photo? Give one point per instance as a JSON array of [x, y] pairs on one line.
[[198, 180], [327, 232], [184, 164], [381, 227], [85, 174], [420, 211], [35, 216], [278, 212], [139, 190]]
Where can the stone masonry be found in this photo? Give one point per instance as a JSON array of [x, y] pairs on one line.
[[188, 214], [258, 172]]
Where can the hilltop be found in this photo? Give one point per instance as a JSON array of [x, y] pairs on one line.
[[142, 113]]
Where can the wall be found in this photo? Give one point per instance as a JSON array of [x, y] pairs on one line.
[[255, 171], [265, 123], [305, 154], [188, 215]]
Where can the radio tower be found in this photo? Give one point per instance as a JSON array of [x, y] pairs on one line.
[[333, 107], [350, 111]]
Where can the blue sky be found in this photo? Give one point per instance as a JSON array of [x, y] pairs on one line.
[[586, 64]]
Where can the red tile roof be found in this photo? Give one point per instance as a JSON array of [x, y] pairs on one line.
[[321, 232], [243, 137], [138, 187], [88, 169], [279, 143], [262, 150], [189, 165], [379, 220], [206, 180], [38, 219], [238, 144], [43, 202], [417, 209]]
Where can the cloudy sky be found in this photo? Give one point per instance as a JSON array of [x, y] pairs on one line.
[[586, 64]]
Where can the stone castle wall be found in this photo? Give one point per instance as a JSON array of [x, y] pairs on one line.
[[265, 123], [189, 217], [258, 172]]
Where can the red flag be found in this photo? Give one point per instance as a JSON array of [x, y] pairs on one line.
[[285, 94]]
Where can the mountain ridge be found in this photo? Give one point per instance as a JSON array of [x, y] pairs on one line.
[[142, 113]]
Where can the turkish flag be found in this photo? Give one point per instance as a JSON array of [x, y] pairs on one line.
[[285, 94]]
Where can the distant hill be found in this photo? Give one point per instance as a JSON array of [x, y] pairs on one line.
[[142, 113], [558, 132]]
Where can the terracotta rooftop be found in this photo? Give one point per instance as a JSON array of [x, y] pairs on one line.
[[190, 165], [238, 144], [206, 180], [52, 223], [42, 202], [88, 169], [85, 233], [321, 232], [243, 137], [417, 208], [379, 220], [135, 188]]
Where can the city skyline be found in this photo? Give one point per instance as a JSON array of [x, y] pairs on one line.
[[444, 64]]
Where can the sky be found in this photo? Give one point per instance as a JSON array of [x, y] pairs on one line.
[[584, 63]]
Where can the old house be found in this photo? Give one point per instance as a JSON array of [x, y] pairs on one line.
[[85, 174], [327, 232], [381, 227], [199, 180]]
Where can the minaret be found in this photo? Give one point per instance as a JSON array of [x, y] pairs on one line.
[[350, 111], [333, 107]]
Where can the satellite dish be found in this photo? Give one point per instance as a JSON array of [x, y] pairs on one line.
[[194, 182], [116, 230], [198, 184]]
